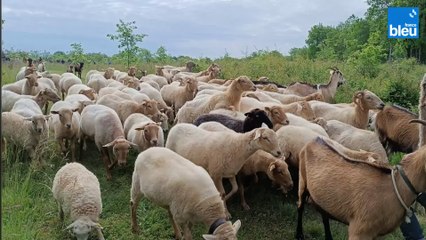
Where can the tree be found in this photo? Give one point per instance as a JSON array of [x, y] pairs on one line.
[[161, 55], [127, 40], [76, 54]]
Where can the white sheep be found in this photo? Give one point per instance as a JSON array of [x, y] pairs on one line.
[[78, 194], [9, 98], [223, 153], [82, 89], [102, 124], [65, 123], [126, 107], [79, 101], [356, 116], [184, 189], [67, 80], [160, 80], [176, 95], [355, 138], [97, 81], [26, 108], [142, 131], [22, 131]]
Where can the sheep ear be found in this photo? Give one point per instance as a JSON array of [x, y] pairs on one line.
[[75, 110], [268, 109], [236, 225], [70, 226], [140, 128], [257, 134], [209, 237], [81, 91], [54, 112], [109, 144], [272, 166]]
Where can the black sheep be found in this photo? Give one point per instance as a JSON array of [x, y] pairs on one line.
[[254, 119]]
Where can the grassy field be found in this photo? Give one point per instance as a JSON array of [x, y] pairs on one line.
[[30, 212]]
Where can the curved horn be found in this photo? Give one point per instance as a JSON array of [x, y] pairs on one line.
[[418, 121]]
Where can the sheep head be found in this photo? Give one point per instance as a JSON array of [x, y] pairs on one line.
[[65, 116], [278, 173], [368, 100], [132, 71], [226, 231], [277, 115], [149, 107], [270, 88], [49, 95], [243, 83], [150, 133], [32, 79], [265, 139], [336, 73], [258, 116], [82, 227], [38, 122], [120, 149], [305, 111], [89, 93]]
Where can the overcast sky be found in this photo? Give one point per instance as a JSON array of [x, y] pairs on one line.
[[196, 28]]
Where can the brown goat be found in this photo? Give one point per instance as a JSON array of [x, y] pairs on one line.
[[328, 90], [394, 131], [357, 192]]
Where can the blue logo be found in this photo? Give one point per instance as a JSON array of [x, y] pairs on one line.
[[403, 22]]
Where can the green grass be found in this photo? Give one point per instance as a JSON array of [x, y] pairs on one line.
[[30, 212]]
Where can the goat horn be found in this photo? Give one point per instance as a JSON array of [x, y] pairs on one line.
[[418, 121]]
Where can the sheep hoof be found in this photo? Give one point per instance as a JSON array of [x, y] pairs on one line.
[[136, 230], [300, 236], [246, 207]]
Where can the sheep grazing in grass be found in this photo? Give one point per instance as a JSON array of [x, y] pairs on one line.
[[394, 131], [356, 115], [184, 189], [331, 180], [102, 124], [78, 194], [275, 168], [254, 119], [230, 149], [327, 90]]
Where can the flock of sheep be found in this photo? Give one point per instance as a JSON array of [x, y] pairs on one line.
[[223, 129]]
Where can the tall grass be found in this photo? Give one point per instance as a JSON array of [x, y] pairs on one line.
[[30, 212]]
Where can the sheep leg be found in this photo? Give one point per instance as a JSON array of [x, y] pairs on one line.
[[45, 107], [187, 231], [234, 189], [176, 229], [219, 186], [105, 158], [72, 147], [243, 202], [99, 233], [300, 209], [61, 213], [326, 223], [135, 198]]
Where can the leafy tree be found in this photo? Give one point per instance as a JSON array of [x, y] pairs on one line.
[[161, 55], [128, 40], [76, 54]]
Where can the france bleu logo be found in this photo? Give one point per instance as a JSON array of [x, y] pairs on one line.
[[403, 22]]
